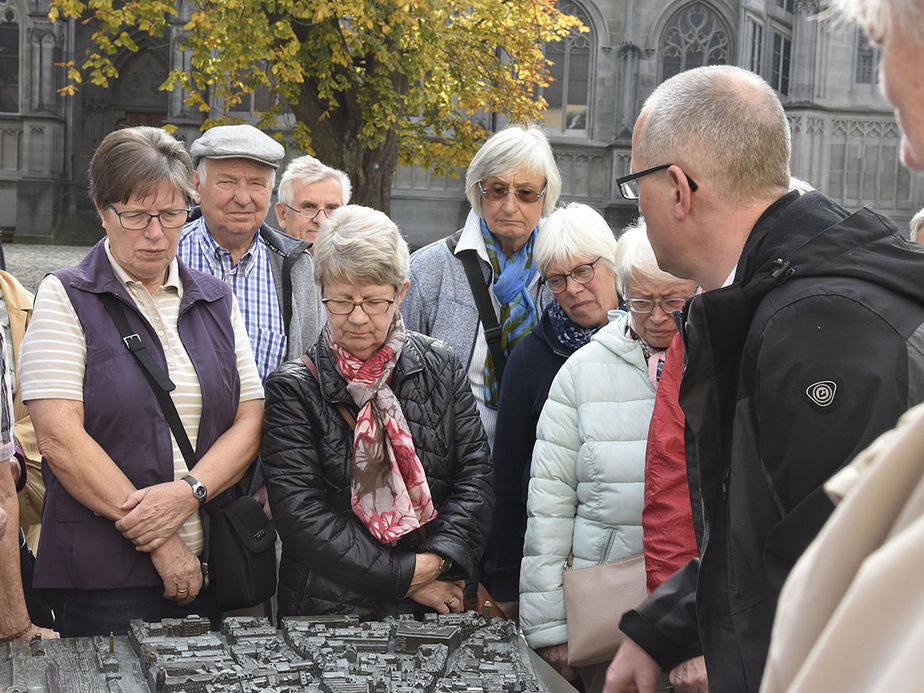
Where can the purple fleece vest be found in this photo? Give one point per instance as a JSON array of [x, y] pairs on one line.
[[79, 549]]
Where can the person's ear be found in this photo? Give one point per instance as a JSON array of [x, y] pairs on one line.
[[407, 283], [281, 215], [196, 183], [681, 194]]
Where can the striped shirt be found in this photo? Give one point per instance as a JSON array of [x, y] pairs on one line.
[[52, 359], [251, 280], [7, 440]]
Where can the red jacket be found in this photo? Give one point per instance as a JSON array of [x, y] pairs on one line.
[[667, 520]]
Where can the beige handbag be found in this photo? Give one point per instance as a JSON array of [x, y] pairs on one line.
[[595, 600]]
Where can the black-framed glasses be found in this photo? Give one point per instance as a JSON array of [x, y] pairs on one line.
[[644, 306], [135, 221], [370, 306], [582, 274], [628, 185], [499, 191], [311, 212]]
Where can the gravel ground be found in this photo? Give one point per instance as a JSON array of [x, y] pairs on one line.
[[29, 263]]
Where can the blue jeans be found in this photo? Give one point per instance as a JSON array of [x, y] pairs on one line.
[[84, 613]]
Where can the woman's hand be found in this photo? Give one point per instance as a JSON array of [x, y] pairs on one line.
[[37, 631], [155, 513], [180, 570], [690, 676], [445, 597], [426, 570], [557, 657]]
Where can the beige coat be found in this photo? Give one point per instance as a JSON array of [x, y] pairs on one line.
[[19, 307], [851, 615]]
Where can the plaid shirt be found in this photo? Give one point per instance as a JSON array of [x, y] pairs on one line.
[[251, 281]]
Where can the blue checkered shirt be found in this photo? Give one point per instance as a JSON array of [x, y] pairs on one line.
[[251, 281]]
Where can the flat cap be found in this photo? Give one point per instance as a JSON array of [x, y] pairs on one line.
[[237, 142]]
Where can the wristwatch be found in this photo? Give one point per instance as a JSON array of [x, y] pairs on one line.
[[445, 564], [200, 493]]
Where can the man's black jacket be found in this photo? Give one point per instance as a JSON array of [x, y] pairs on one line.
[[815, 349]]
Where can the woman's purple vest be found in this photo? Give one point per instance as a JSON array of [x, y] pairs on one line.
[[79, 549]]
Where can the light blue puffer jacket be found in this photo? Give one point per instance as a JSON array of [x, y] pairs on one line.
[[588, 467]]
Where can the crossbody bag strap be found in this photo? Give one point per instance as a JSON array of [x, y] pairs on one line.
[[158, 380], [344, 412], [492, 330]]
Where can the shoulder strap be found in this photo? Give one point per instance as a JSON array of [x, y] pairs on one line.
[[158, 380], [344, 412], [492, 330]]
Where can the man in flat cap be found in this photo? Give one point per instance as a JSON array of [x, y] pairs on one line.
[[308, 192], [271, 274]]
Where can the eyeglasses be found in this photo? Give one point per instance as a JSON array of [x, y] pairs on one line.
[[311, 212], [628, 185], [644, 306], [370, 306], [582, 274], [135, 221], [499, 191]]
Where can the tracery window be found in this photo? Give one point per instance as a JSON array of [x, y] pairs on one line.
[[867, 61], [779, 68], [694, 37], [568, 96], [9, 59]]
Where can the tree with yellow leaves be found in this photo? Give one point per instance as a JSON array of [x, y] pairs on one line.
[[370, 82]]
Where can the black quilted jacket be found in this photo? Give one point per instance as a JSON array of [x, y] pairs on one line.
[[331, 564]]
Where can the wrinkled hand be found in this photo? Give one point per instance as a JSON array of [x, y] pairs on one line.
[[156, 513], [690, 676], [632, 669], [43, 633], [445, 597], [262, 497], [179, 569], [557, 657]]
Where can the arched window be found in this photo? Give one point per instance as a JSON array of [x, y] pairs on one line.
[[867, 61], [9, 59], [694, 37], [568, 96]]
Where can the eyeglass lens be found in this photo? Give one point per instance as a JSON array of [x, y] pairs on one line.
[[372, 306], [644, 305], [582, 274], [135, 221]]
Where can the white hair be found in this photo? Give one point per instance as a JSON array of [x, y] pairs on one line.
[[360, 245], [917, 225], [307, 170], [879, 17], [572, 232], [724, 122], [515, 150], [635, 259]]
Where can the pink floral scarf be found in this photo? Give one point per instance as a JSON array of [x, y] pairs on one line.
[[390, 493]]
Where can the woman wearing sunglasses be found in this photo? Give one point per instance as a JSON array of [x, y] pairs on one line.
[[389, 517], [511, 183], [587, 475], [576, 256]]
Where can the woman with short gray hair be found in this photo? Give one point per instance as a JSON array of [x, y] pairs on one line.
[[576, 256], [511, 183], [376, 463]]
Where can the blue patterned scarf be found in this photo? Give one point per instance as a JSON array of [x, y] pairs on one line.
[[568, 332], [512, 276]]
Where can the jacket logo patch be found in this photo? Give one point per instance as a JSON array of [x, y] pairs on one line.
[[822, 392]]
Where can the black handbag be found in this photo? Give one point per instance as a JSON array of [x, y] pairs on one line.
[[241, 556]]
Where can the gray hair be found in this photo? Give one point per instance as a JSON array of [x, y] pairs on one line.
[[513, 150], [573, 232], [307, 170], [724, 122], [202, 168], [879, 17], [635, 259], [917, 224], [359, 245], [137, 161]]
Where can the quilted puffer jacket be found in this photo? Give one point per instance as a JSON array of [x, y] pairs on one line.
[[331, 564]]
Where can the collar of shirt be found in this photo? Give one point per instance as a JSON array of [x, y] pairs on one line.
[[219, 258], [731, 277], [173, 273]]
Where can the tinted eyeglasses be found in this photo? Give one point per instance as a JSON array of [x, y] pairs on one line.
[[644, 306], [135, 221], [499, 191], [370, 306], [582, 274], [628, 185]]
